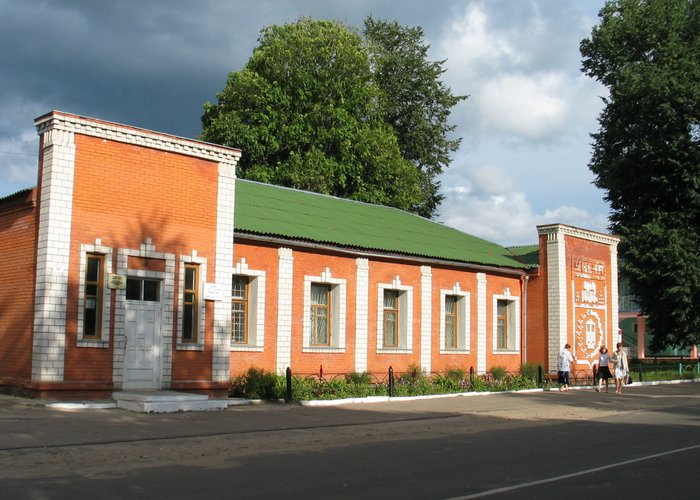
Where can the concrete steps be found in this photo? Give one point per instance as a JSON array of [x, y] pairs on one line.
[[166, 401]]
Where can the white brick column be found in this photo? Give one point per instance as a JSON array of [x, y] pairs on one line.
[[481, 322], [285, 282], [53, 250], [614, 296], [426, 317], [221, 356], [556, 296], [361, 314]]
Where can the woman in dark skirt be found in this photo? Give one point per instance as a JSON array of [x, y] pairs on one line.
[[603, 369]]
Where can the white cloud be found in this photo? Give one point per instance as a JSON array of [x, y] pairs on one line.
[[486, 203], [530, 106], [19, 148], [471, 45]]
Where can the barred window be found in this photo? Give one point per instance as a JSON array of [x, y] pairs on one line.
[[391, 318], [239, 309], [320, 314], [451, 321]]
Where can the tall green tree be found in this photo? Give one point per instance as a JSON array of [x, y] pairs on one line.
[[311, 110], [416, 103], [646, 154]]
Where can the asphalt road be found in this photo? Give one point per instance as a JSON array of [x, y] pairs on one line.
[[580, 444]]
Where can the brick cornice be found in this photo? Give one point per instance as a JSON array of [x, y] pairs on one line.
[[552, 230], [58, 120]]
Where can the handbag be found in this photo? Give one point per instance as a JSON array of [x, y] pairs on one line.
[[629, 380]]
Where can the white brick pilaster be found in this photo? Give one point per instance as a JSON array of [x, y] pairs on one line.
[[361, 314], [614, 296], [55, 217], [481, 322], [426, 317], [285, 283], [221, 357], [556, 296]]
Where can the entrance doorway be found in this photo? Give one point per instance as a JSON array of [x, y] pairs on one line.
[[142, 361]]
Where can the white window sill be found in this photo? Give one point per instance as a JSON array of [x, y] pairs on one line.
[[324, 349], [190, 347], [506, 351], [455, 351], [100, 344], [394, 350], [246, 348]]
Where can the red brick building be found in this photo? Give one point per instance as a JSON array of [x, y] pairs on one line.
[[140, 262]]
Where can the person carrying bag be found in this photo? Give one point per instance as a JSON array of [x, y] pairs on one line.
[[621, 370]]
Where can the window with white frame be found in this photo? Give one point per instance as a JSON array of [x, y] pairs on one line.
[[394, 317], [321, 318], [506, 324], [93, 301], [190, 303], [240, 309], [93, 296], [191, 306], [247, 308], [324, 316], [454, 321]]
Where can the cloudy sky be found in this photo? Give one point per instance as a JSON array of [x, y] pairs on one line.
[[153, 63]]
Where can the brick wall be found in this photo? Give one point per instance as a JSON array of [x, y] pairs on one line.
[[17, 261], [122, 195]]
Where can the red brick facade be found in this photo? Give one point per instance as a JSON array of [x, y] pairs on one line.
[[150, 206]]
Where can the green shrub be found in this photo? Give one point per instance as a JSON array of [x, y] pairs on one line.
[[497, 372], [257, 384], [413, 374], [530, 370], [357, 378], [456, 374]]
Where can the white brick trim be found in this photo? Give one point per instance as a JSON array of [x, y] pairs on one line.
[[556, 296], [285, 284], [513, 327], [53, 252], [338, 313], [256, 308], [361, 314], [167, 300], [59, 121], [481, 323], [201, 305], [426, 318], [463, 322], [105, 313], [405, 316], [614, 296], [221, 355]]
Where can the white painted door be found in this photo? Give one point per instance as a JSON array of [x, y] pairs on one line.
[[142, 357]]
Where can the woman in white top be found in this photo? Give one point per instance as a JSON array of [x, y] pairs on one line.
[[621, 368], [603, 371]]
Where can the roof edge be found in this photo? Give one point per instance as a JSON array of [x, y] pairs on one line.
[[514, 271], [59, 120]]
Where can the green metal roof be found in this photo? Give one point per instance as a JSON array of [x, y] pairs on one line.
[[527, 254], [266, 210]]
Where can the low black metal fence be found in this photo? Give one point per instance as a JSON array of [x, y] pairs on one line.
[[413, 381]]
